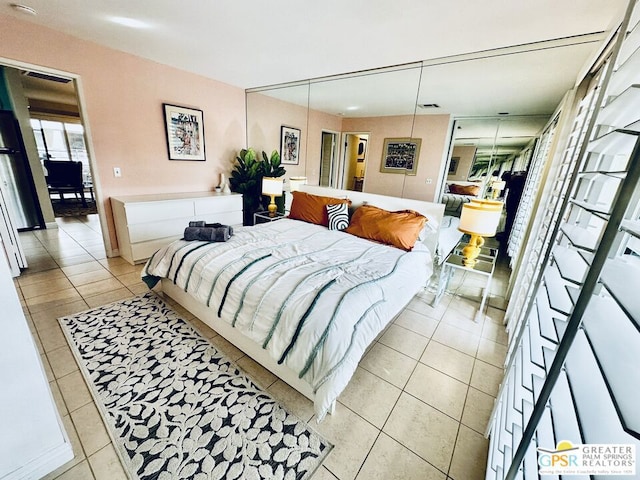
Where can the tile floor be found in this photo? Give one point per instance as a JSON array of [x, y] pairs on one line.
[[416, 408]]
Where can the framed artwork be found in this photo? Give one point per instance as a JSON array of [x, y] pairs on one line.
[[289, 145], [453, 165], [400, 155], [185, 132], [362, 149]]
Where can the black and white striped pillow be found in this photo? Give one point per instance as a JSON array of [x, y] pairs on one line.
[[338, 216]]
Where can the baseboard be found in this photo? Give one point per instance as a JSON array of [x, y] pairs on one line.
[[51, 225], [44, 464]]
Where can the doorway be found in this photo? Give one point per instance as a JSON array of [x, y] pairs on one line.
[[354, 160], [329, 160]]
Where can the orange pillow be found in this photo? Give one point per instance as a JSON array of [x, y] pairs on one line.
[[312, 208], [464, 189], [400, 229]]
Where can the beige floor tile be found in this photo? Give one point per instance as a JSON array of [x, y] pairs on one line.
[[43, 288], [51, 315], [438, 390], [426, 431], [85, 278], [389, 460], [129, 279], [477, 410], [323, 474], [27, 278], [463, 321], [62, 362], [388, 364], [292, 400], [52, 337], [42, 303], [495, 332], [352, 438], [417, 322], [139, 288], [118, 266], [99, 287], [421, 304], [91, 266], [91, 430], [81, 471], [470, 456], [486, 377], [380, 397], [108, 297], [67, 261], [492, 352], [404, 340], [457, 338], [260, 375], [448, 360], [47, 367], [495, 315], [226, 348], [106, 464], [57, 396], [74, 390]]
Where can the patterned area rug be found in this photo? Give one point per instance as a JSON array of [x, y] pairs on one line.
[[176, 408], [73, 208]]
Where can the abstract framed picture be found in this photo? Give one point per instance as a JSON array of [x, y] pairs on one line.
[[289, 145], [400, 155], [453, 165], [185, 132]]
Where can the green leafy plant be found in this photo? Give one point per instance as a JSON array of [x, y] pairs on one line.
[[246, 178]]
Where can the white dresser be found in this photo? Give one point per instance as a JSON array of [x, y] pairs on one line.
[[144, 223]]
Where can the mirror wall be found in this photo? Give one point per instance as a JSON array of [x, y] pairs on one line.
[[393, 131]]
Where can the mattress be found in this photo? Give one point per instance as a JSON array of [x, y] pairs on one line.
[[313, 298]]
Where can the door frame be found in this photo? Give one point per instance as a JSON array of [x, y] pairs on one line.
[[335, 157], [84, 120], [343, 155]]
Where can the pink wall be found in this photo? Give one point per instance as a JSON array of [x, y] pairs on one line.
[[123, 97], [431, 129], [268, 114]]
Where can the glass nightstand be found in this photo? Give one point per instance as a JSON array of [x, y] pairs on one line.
[[485, 266], [263, 217]]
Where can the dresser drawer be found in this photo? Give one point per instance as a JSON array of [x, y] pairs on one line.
[[225, 218], [230, 203], [143, 232], [148, 212]]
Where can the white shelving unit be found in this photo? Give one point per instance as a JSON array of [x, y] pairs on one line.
[[573, 372]]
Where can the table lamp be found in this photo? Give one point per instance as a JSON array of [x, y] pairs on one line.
[[479, 219], [296, 182], [497, 187], [273, 187]]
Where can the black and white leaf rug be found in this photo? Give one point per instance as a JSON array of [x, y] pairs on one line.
[[178, 409]]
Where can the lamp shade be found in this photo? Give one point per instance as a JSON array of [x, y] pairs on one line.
[[272, 186], [480, 219], [296, 182], [498, 185]]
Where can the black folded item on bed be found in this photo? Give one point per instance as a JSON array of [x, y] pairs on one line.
[[208, 232]]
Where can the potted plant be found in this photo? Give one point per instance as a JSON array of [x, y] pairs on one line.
[[246, 178], [271, 167]]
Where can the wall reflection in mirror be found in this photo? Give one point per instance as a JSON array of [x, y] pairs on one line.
[[353, 126]]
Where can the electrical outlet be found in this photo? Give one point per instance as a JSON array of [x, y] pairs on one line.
[[429, 181], [117, 172]]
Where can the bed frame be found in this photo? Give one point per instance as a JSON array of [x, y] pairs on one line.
[[433, 211]]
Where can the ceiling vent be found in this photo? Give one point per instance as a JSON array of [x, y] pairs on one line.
[[46, 76], [429, 105]]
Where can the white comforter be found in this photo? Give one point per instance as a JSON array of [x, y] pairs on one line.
[[314, 298]]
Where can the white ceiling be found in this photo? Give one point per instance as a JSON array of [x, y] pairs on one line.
[[249, 43]]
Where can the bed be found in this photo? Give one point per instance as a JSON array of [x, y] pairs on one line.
[[457, 194], [300, 299]]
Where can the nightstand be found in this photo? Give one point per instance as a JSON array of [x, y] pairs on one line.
[[263, 217], [484, 267]]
